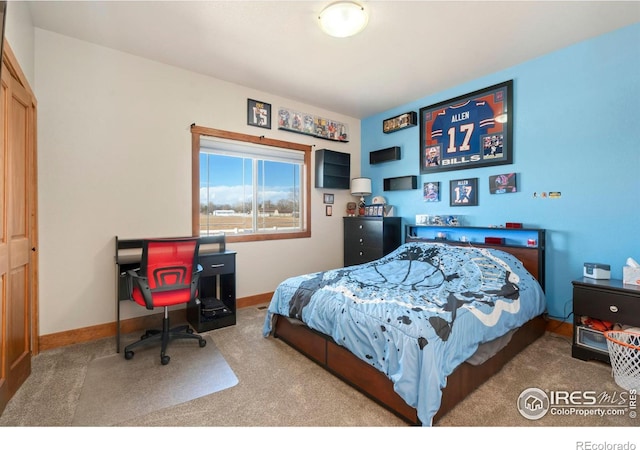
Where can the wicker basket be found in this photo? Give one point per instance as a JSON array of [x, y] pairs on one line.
[[624, 352]]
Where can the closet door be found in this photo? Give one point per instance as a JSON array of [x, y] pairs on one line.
[[17, 242]]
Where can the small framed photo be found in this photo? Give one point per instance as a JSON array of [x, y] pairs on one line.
[[406, 120], [374, 211], [431, 191], [463, 192], [503, 184], [328, 211], [258, 114], [328, 199]]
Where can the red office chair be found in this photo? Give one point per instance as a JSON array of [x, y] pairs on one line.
[[168, 275]]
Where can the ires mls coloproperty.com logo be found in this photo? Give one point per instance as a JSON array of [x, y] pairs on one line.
[[534, 403]]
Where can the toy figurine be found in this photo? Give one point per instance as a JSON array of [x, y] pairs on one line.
[[351, 209]]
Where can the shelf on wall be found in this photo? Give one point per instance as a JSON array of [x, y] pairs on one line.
[[518, 237], [332, 169]]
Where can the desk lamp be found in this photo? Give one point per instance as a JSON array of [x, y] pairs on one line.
[[361, 187]]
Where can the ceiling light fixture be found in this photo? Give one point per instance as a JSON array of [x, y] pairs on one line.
[[343, 19]]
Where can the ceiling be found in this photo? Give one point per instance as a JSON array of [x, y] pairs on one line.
[[410, 49]]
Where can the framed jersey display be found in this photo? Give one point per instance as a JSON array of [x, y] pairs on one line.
[[473, 130]]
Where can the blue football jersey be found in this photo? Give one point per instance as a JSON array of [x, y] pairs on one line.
[[458, 128]]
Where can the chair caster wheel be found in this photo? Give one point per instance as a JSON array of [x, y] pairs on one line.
[[202, 342], [164, 359], [190, 330], [128, 355]]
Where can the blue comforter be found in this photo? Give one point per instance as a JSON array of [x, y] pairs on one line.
[[415, 314]]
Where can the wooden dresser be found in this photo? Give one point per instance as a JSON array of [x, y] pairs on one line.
[[369, 238]]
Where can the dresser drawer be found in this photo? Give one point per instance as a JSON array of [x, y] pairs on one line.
[[359, 243], [217, 264], [606, 305], [363, 255], [357, 229]]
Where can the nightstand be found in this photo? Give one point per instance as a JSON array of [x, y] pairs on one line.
[[609, 300]]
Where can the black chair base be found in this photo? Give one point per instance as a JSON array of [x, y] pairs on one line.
[[165, 336]]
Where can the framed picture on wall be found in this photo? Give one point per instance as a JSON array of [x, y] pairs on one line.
[[406, 120], [463, 192], [312, 125], [472, 130], [258, 114], [431, 191], [503, 184]]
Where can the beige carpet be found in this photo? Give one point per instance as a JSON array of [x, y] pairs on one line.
[[547, 365], [278, 387], [116, 390]]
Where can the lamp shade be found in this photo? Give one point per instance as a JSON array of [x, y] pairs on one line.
[[343, 19], [361, 186]]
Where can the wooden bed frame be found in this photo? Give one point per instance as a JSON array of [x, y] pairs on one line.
[[375, 384]]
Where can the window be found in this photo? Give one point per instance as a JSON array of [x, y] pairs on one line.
[[249, 187]]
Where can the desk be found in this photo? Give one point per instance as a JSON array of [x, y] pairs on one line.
[[217, 287]]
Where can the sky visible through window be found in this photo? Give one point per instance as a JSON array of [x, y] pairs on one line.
[[226, 183]]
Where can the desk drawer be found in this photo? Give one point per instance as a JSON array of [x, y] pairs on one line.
[[217, 264], [606, 305]]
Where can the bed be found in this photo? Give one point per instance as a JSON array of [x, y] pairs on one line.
[[418, 329]]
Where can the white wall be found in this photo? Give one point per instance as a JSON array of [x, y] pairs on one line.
[[114, 148]]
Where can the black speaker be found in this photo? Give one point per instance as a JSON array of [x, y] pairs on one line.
[[400, 183], [384, 155]]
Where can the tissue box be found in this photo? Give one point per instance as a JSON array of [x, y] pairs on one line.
[[631, 275]]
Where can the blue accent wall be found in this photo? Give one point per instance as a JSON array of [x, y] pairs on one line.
[[576, 131]]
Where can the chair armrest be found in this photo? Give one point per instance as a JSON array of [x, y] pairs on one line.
[[143, 285], [195, 278]]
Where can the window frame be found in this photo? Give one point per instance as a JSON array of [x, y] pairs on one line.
[[198, 131]]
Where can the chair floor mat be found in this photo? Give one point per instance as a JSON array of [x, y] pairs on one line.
[[116, 390]]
